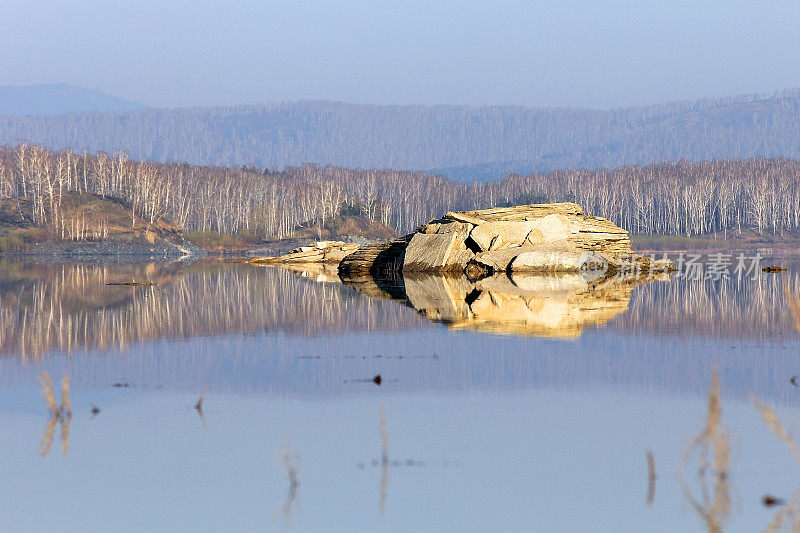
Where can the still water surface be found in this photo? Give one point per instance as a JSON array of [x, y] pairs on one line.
[[531, 409]]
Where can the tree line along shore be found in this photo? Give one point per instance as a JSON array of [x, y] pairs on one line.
[[759, 198]]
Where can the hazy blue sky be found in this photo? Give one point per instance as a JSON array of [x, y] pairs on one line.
[[591, 53]]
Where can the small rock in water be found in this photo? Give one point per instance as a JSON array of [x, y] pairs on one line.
[[794, 379], [95, 410], [377, 380]]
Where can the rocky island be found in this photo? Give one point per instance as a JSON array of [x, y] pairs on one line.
[[536, 238]]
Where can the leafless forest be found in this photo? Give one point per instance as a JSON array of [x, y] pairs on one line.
[[669, 198]]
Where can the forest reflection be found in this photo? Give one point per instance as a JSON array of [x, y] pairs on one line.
[[46, 308]]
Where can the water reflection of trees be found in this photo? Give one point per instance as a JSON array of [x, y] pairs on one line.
[[69, 307], [729, 308], [46, 308]]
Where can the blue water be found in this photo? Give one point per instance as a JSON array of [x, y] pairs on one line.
[[483, 432]]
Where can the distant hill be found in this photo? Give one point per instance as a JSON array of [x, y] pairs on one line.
[[58, 99], [705, 130], [468, 143]]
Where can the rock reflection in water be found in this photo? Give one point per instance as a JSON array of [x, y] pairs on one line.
[[540, 305], [47, 308], [565, 305]]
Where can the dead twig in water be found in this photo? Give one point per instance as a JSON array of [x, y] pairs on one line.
[[65, 409], [774, 424], [65, 423], [712, 439], [377, 380], [47, 391], [772, 421], [651, 476], [132, 284], [47, 437], [291, 493], [199, 406], [58, 413]]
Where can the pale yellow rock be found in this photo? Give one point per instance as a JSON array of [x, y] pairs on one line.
[[320, 252], [462, 228], [497, 243], [547, 261], [498, 260], [517, 212], [334, 255], [458, 259], [551, 228], [509, 232], [428, 252], [465, 217], [538, 237]]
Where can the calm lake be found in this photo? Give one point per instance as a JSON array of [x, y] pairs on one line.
[[508, 404]]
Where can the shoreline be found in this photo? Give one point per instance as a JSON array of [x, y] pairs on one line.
[[128, 250]]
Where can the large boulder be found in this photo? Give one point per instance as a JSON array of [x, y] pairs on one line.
[[539, 238], [556, 237]]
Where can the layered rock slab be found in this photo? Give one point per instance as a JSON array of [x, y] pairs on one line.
[[331, 252], [543, 238]]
